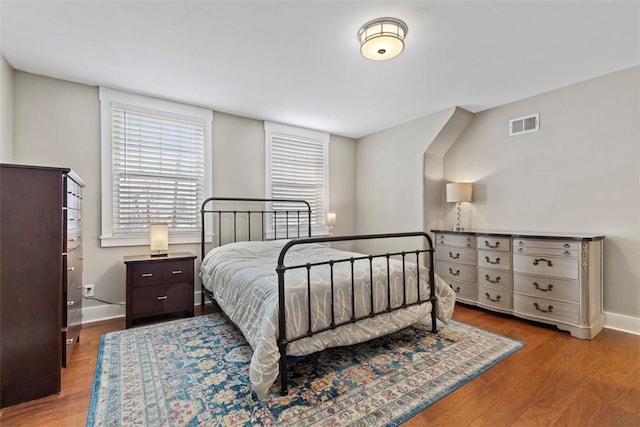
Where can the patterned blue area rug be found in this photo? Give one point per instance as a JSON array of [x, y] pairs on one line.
[[195, 372]]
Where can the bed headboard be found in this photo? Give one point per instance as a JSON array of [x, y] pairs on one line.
[[238, 217]]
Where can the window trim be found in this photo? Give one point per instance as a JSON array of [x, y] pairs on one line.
[[109, 97], [271, 129]]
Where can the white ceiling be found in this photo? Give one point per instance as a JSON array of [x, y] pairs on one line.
[[299, 63]]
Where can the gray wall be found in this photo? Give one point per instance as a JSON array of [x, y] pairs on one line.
[[579, 173], [57, 123], [6, 111]]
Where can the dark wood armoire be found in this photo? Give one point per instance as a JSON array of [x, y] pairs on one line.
[[40, 278]]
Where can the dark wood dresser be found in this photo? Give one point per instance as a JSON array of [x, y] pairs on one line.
[[40, 278], [159, 287]]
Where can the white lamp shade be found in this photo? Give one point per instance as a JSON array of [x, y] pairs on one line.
[[459, 192], [331, 219], [159, 238]]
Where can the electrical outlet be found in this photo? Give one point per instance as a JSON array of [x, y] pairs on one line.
[[87, 290]]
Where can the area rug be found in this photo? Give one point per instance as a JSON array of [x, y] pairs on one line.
[[196, 372]]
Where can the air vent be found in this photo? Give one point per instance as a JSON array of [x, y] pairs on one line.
[[524, 124]]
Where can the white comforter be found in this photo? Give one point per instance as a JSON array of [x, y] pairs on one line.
[[244, 282]]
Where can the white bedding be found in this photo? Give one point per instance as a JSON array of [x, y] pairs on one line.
[[244, 282]]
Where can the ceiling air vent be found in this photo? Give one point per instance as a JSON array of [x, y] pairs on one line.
[[524, 124]]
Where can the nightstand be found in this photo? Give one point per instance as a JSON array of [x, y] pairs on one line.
[[159, 287]]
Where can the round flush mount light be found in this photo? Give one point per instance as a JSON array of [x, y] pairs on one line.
[[382, 38]]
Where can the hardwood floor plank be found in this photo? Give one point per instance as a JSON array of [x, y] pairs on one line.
[[554, 380]]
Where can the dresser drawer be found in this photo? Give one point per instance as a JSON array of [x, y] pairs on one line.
[[494, 243], [458, 272], [545, 287], [546, 308], [161, 299], [496, 298], [566, 268], [74, 266], [495, 278], [494, 259], [464, 291], [454, 254], [145, 274], [457, 240], [546, 247], [177, 271]]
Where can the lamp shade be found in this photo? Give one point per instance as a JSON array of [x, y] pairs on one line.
[[331, 219], [459, 192], [159, 239], [382, 38]]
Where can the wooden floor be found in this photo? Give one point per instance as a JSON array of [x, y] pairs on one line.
[[554, 380]]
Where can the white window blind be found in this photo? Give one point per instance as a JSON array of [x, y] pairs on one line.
[[158, 172], [298, 168], [156, 167]]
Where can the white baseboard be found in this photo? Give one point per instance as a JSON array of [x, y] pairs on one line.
[[102, 312], [621, 322]]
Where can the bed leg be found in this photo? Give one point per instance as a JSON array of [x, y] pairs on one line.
[[434, 327], [283, 369]]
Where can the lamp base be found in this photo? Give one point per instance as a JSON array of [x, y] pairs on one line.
[[457, 228], [158, 255]]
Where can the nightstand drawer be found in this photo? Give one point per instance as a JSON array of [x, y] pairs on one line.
[[161, 299], [145, 274], [177, 271]]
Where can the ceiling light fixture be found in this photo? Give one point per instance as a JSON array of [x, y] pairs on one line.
[[382, 38]]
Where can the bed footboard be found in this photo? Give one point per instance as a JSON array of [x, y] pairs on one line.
[[281, 269]]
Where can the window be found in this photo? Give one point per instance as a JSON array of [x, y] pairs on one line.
[[156, 167], [297, 168]]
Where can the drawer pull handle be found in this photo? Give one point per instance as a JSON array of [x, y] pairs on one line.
[[521, 243], [520, 250], [147, 274], [567, 253], [456, 290], [489, 245], [537, 286], [180, 271], [70, 303], [162, 297], [454, 257], [442, 242], [468, 245], [566, 245], [486, 276], [497, 261], [457, 273], [491, 299], [70, 268], [69, 341], [548, 261], [549, 309]]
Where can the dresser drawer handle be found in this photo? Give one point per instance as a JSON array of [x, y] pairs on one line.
[[70, 268], [549, 309], [457, 273], [491, 299], [162, 297], [537, 260], [468, 245], [454, 257], [70, 303], [497, 261], [69, 341], [537, 286], [488, 279], [566, 245], [147, 274], [456, 289], [489, 245], [176, 272], [567, 253], [520, 250]]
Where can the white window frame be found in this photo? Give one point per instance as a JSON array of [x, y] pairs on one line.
[[278, 129], [110, 97]]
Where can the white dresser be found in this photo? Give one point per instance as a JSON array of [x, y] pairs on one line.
[[550, 278]]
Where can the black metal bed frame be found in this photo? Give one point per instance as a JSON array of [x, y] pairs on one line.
[[281, 269]]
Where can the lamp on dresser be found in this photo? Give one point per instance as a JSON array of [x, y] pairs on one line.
[[159, 239], [331, 222], [459, 192]]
